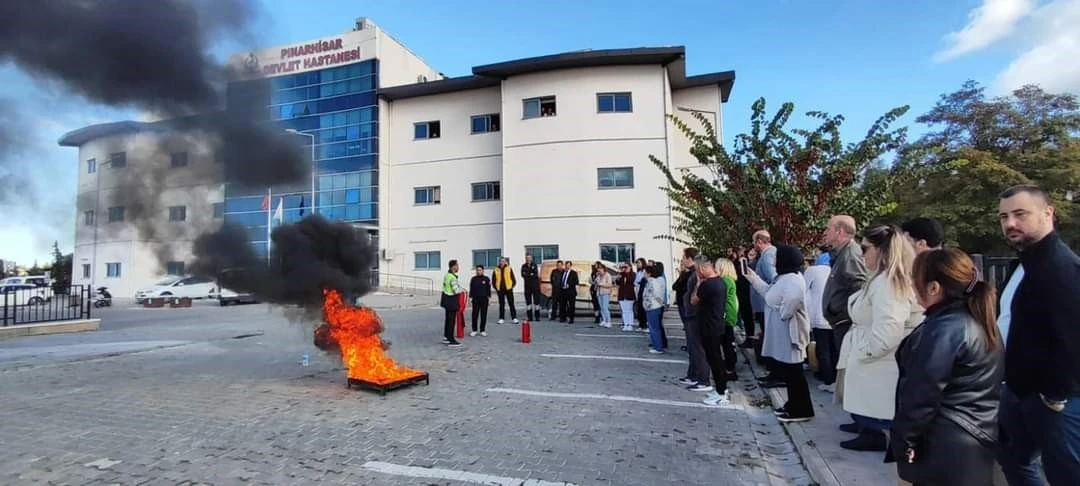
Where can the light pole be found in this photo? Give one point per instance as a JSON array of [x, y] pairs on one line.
[[312, 136]]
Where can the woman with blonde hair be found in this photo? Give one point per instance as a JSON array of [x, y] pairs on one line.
[[882, 313], [726, 269]]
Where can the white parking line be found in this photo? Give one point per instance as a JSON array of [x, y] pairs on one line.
[[454, 475], [615, 358], [628, 335], [619, 398]]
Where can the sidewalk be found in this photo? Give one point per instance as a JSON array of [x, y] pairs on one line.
[[818, 441]]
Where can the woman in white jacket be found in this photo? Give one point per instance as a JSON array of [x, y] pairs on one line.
[[787, 330], [882, 314]]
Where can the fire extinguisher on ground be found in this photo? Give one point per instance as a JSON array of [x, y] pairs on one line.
[[461, 316], [526, 332]]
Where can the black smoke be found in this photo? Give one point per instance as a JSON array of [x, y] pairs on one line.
[[305, 258], [156, 56]]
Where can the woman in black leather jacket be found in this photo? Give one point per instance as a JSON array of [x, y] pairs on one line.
[[951, 367]]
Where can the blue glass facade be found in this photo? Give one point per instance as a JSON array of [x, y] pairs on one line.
[[338, 106]]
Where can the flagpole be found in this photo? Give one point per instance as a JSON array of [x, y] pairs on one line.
[[269, 222]]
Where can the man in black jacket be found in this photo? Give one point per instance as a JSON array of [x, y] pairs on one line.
[[531, 274], [553, 281], [568, 292], [480, 294], [1040, 305]]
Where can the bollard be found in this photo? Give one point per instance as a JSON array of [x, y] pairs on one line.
[[526, 332]]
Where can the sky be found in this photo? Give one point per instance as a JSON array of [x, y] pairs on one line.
[[850, 57]]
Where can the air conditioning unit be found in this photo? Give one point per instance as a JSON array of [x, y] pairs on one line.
[[386, 254]]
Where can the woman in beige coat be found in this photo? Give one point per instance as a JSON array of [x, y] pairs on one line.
[[882, 314]]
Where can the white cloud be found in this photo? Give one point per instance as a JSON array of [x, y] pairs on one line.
[[988, 23], [1051, 56]]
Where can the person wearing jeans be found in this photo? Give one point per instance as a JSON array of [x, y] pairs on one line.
[[625, 283], [603, 294], [652, 301]]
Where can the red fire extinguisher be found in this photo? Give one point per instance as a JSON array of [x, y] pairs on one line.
[[460, 318], [526, 332]]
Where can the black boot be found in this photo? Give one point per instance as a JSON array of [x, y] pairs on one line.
[[868, 440], [852, 428], [529, 314]]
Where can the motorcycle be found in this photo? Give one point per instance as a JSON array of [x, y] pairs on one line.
[[102, 298]]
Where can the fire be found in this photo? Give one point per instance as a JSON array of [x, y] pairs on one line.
[[354, 332]]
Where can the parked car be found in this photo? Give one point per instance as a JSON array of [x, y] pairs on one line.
[[193, 287], [228, 296], [24, 294], [35, 281]]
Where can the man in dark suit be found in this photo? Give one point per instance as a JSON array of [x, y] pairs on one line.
[[554, 279], [568, 292]]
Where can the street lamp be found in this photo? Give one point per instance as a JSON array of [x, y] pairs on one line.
[[312, 136]]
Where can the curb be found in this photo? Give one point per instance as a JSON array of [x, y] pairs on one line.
[[811, 456]]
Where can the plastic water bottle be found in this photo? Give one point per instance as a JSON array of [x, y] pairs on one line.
[[305, 360]]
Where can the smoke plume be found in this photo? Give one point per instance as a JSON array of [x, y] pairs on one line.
[[307, 257], [155, 56]]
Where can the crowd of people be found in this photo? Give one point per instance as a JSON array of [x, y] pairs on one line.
[[936, 369]]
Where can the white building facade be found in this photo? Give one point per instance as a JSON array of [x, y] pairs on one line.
[[547, 156]]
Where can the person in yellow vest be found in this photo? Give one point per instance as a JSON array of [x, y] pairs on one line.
[[503, 280]]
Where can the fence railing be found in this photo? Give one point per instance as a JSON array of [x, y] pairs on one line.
[[44, 304], [409, 283], [995, 269]]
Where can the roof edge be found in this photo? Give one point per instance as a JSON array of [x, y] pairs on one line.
[[441, 86], [724, 79], [581, 59]]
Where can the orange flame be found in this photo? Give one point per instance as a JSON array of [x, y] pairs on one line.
[[354, 332]]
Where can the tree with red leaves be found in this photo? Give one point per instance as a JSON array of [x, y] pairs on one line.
[[788, 181]]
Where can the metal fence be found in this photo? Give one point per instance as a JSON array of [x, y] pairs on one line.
[[995, 269], [44, 304], [408, 283]]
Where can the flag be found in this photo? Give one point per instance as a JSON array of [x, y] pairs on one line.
[[266, 202], [279, 213], [301, 206]]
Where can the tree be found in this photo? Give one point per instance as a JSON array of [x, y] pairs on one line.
[[993, 143], [789, 181], [61, 268]]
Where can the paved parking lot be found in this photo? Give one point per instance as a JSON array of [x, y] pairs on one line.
[[212, 395]]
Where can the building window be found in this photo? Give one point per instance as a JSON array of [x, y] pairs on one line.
[[614, 103], [86, 270], [487, 258], [88, 218], [118, 160], [116, 214], [428, 195], [174, 268], [91, 166], [538, 107], [615, 178], [426, 130], [178, 159], [617, 252], [485, 123], [177, 213], [112, 270], [219, 210], [542, 252], [427, 260], [485, 191]]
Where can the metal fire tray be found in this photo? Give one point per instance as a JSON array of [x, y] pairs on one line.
[[385, 386]]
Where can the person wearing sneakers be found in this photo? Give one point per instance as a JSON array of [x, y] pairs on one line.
[[530, 273], [480, 294], [710, 297], [451, 288], [604, 284], [502, 278], [697, 370]]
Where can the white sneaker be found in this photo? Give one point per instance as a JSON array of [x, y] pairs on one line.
[[473, 334], [717, 400], [502, 321], [627, 329], [655, 351], [483, 333], [701, 387], [605, 324], [827, 388], [516, 321]]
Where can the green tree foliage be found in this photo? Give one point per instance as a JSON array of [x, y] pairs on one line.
[[61, 268], [993, 143], [786, 180]]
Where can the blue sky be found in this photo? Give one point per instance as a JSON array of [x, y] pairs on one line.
[[856, 58]]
